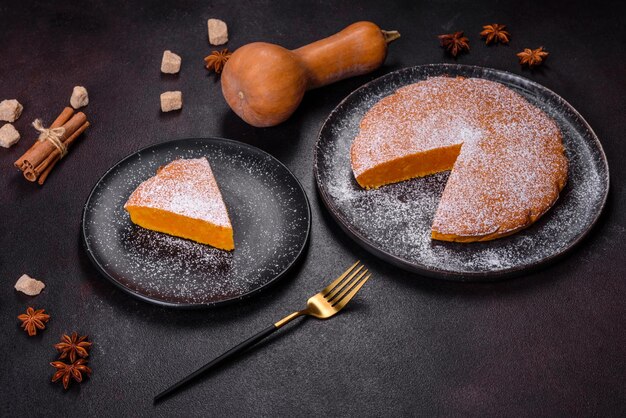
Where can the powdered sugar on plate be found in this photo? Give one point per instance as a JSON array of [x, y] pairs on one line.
[[395, 221], [267, 207]]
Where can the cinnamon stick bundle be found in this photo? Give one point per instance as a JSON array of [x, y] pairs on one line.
[[37, 163]]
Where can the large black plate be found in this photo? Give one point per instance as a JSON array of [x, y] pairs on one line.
[[394, 221], [268, 208]]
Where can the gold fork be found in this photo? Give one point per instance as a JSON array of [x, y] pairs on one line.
[[322, 305]]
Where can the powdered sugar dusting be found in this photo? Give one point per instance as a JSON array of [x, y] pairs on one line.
[[511, 167], [396, 219], [184, 187], [267, 208]]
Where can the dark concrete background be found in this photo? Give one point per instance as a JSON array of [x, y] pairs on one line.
[[547, 344]]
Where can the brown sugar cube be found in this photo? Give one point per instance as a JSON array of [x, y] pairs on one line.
[[170, 63], [8, 135], [28, 285], [218, 32], [10, 110], [80, 97], [171, 100]]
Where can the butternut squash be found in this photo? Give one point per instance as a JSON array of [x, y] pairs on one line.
[[264, 83]]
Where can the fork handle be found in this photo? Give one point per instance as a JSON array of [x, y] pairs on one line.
[[227, 355]]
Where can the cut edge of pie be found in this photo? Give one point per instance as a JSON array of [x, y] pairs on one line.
[[420, 164]]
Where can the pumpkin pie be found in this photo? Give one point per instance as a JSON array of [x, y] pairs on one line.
[[506, 155], [184, 200]]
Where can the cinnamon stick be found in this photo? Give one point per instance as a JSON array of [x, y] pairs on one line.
[[63, 117], [37, 163], [40, 150], [70, 127], [44, 169], [67, 143]]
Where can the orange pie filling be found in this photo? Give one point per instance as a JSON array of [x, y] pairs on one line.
[[181, 226], [410, 166]]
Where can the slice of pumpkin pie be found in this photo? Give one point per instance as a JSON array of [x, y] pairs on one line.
[[184, 200]]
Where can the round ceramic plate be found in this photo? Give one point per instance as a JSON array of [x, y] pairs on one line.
[[268, 208], [393, 222]]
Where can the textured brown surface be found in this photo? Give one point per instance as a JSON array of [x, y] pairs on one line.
[[550, 343]]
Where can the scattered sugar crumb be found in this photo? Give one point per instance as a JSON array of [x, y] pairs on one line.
[[170, 64], [10, 110], [171, 100], [8, 135], [80, 97], [29, 286], [218, 32]]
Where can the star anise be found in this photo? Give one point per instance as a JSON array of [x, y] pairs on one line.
[[74, 370], [33, 320], [495, 33], [532, 57], [73, 346], [217, 60], [454, 43]]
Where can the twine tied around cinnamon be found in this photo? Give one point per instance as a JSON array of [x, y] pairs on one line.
[[54, 135], [53, 143]]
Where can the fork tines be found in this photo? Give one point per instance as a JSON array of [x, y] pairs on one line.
[[346, 285]]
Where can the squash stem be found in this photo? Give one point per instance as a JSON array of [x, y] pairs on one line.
[[390, 35]]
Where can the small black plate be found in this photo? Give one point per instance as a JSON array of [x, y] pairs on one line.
[[268, 208], [394, 222]]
